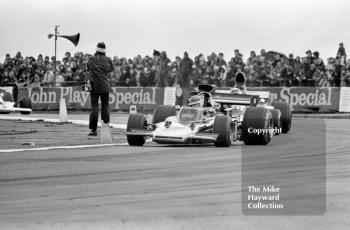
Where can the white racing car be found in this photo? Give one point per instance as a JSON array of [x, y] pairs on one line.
[[218, 116], [7, 105]]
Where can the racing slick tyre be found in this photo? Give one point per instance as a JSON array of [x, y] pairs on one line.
[[162, 112], [276, 119], [136, 121], [26, 103], [286, 115], [7, 97], [222, 126], [254, 119]]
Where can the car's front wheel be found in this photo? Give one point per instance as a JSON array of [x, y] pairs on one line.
[[222, 126], [136, 122]]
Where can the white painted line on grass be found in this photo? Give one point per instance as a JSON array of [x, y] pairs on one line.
[[60, 147], [77, 122]]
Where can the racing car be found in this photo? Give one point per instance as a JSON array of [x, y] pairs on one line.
[[7, 105], [212, 115], [281, 111]]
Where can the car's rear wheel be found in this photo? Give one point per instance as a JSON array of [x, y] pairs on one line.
[[162, 112], [255, 119], [222, 126], [276, 119], [138, 122], [286, 115], [25, 103]]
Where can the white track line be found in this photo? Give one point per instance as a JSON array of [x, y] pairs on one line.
[[61, 147], [78, 122]]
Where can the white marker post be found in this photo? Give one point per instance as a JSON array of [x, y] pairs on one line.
[[63, 111], [106, 137]]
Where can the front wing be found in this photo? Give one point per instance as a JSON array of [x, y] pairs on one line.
[[210, 137]]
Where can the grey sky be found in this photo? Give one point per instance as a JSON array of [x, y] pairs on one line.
[[132, 27]]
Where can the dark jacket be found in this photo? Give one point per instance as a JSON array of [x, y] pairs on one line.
[[186, 66], [100, 66]]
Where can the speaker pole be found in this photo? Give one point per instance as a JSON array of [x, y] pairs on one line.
[[54, 65]]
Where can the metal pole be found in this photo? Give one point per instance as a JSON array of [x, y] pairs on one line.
[[54, 72]]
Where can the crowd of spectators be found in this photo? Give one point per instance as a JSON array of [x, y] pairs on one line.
[[266, 69]]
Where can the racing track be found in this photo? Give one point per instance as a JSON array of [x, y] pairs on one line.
[[160, 187]]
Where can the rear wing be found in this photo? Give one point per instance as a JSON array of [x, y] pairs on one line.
[[226, 97]]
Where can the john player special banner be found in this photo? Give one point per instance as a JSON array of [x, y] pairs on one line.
[[120, 97], [300, 98]]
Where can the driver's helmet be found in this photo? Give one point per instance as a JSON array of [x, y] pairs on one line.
[[196, 101]]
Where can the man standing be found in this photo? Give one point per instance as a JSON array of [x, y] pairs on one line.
[[163, 68], [185, 71], [99, 66]]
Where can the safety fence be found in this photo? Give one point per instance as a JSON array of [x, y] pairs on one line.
[[147, 98]]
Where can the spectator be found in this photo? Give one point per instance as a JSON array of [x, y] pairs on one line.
[[35, 83], [195, 78], [297, 65], [49, 78], [178, 61], [341, 54], [343, 78], [59, 78], [162, 75], [230, 77], [221, 62], [310, 80], [347, 79], [262, 52], [185, 71], [159, 70], [253, 58], [174, 77], [318, 61], [291, 60], [287, 77], [308, 61], [132, 81], [338, 69], [144, 80], [125, 77], [237, 59]]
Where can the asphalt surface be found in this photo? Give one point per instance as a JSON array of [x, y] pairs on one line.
[[166, 187]]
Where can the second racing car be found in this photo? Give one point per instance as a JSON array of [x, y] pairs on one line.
[[214, 115], [8, 105]]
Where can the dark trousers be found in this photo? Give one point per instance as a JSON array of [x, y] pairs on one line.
[[185, 80], [94, 109]]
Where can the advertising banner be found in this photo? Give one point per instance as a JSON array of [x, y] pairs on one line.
[[344, 101], [169, 96], [147, 98], [306, 98], [120, 97]]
